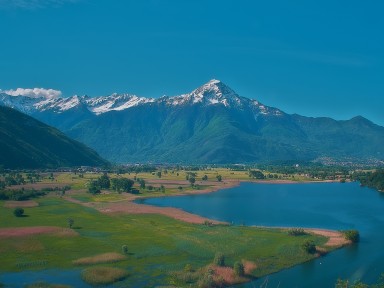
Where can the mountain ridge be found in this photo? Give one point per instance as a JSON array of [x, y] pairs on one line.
[[26, 143], [213, 92], [211, 124]]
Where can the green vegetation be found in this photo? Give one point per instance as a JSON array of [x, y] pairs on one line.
[[70, 222], [124, 249], [18, 212], [215, 134], [340, 283], [238, 268], [103, 275], [309, 246], [296, 231], [219, 259], [153, 239], [119, 185], [28, 143], [352, 235], [20, 194], [161, 250], [256, 174], [372, 179]]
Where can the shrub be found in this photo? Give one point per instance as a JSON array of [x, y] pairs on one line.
[[219, 259], [188, 268], [70, 222], [238, 268], [352, 235], [124, 249], [103, 275], [309, 247], [18, 212], [296, 231]]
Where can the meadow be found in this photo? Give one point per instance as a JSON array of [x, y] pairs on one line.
[[146, 249]]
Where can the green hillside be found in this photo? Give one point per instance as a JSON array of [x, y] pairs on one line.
[[28, 143]]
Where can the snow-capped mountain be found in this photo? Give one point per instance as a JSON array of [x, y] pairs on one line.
[[214, 92], [211, 124]]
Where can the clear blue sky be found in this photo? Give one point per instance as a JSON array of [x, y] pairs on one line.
[[315, 58]]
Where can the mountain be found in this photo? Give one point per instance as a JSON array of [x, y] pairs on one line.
[[29, 143], [212, 124]]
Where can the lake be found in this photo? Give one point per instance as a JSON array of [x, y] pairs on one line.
[[335, 206]]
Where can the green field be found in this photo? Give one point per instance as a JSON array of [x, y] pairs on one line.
[[157, 245]]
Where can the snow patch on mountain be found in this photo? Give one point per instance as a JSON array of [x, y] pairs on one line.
[[213, 92]]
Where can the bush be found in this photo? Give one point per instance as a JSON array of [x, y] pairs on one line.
[[103, 275], [352, 235], [219, 259], [188, 268], [238, 268], [70, 222], [124, 249], [18, 212], [296, 231], [309, 247]]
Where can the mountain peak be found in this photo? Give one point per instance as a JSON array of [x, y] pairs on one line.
[[216, 86]]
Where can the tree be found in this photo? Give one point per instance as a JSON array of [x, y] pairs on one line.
[[18, 212], [142, 183], [122, 184], [238, 268], [256, 174], [219, 178], [204, 178], [158, 174], [124, 249], [192, 180], [70, 222], [309, 247], [219, 259], [104, 182], [93, 187], [352, 235]]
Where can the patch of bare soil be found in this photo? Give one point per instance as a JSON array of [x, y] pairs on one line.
[[21, 204], [28, 231], [249, 266], [226, 275], [133, 208]]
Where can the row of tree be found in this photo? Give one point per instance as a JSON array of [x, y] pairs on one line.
[[371, 179], [119, 184]]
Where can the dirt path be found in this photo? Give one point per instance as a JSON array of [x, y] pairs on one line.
[[21, 204], [28, 231], [134, 208]]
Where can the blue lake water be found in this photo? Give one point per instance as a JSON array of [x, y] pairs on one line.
[[56, 276], [319, 205]]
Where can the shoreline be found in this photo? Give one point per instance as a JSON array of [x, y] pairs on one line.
[[129, 206]]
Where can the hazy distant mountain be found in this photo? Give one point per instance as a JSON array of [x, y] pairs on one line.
[[29, 143], [212, 124]]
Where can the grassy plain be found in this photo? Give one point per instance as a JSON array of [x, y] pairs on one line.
[[157, 245]]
